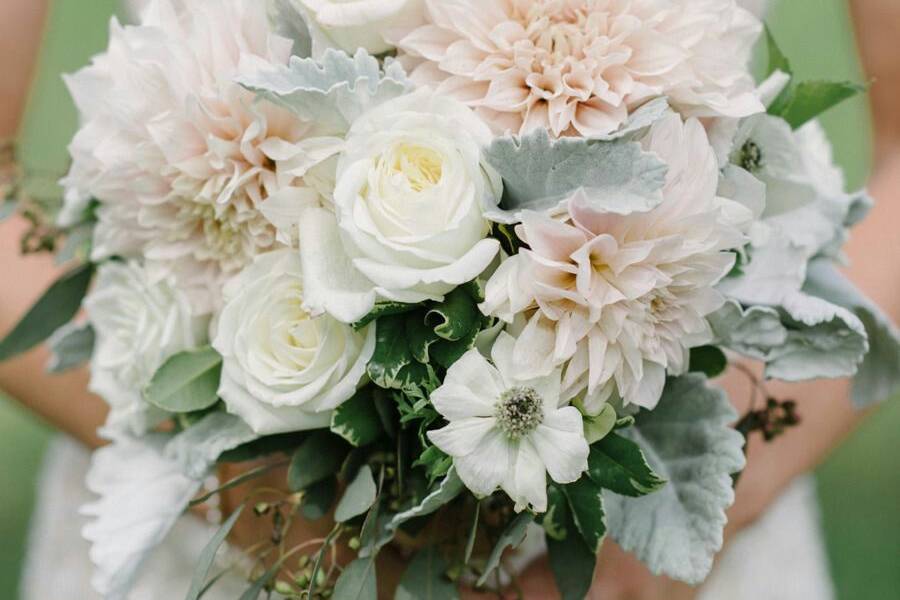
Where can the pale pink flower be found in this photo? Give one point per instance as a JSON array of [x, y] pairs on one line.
[[577, 67], [620, 299], [179, 155]]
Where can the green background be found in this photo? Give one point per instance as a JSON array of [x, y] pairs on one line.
[[859, 485]]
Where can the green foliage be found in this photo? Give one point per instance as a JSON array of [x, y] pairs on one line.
[[709, 360], [318, 457], [357, 581], [808, 99], [208, 555], [801, 102], [357, 420], [55, 308], [425, 578], [187, 381], [318, 498], [598, 426], [556, 520], [70, 346], [264, 446], [618, 464], [358, 497], [586, 504], [571, 559], [446, 491], [511, 537], [432, 334]]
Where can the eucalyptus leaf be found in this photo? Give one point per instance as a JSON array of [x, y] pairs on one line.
[[618, 464], [425, 578], [358, 497], [511, 537], [208, 555], [319, 456], [187, 381], [473, 534], [318, 499], [586, 503], [257, 587], [688, 440], [357, 581], [540, 173], [446, 491], [777, 60], [709, 360], [56, 307], [70, 346], [357, 420]]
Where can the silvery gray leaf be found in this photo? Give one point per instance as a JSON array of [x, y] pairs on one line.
[[197, 448], [332, 92], [541, 174], [878, 377], [640, 119], [753, 332], [70, 346], [288, 22], [688, 441]]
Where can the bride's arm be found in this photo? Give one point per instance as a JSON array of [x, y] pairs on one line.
[[62, 400]]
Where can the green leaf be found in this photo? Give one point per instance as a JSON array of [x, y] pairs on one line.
[[208, 555], [598, 427], [571, 561], [689, 440], [70, 346], [358, 497], [318, 499], [357, 581], [557, 518], [357, 420], [320, 456], [709, 360], [384, 309], [447, 490], [425, 578], [55, 308], [281, 443], [473, 534], [809, 99], [256, 588], [197, 448], [187, 381], [618, 464], [392, 365], [456, 317], [586, 502], [511, 537], [777, 60]]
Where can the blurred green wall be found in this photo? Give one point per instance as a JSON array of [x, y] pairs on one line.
[[859, 486]]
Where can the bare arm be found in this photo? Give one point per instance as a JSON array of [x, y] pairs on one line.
[[62, 400]]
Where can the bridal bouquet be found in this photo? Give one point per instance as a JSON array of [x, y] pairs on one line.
[[464, 268]]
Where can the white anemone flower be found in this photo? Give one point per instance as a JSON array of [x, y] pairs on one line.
[[620, 299], [506, 431], [577, 67], [181, 158]]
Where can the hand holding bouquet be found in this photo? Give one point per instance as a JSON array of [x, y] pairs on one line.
[[464, 268]]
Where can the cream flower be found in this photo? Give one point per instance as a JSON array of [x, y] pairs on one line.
[[577, 67], [139, 323], [619, 299], [506, 431], [284, 370], [408, 223], [180, 157], [353, 24]]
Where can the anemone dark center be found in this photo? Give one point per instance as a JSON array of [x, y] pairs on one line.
[[751, 156], [519, 411]]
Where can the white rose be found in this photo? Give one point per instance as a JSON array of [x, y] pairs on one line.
[[139, 322], [353, 24], [284, 370], [408, 223]]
